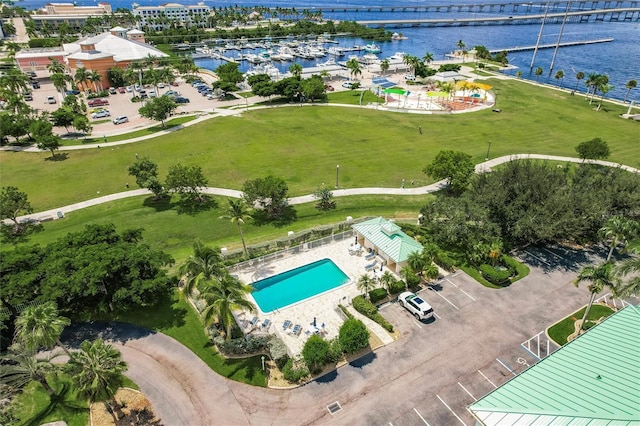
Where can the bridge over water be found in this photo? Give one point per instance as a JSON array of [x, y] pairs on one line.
[[626, 14]]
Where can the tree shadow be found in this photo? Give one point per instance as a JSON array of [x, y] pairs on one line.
[[158, 204], [364, 360], [192, 206], [63, 402], [288, 216], [60, 156], [327, 378]]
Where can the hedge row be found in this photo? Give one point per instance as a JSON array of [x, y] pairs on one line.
[[377, 294], [495, 276], [370, 311]]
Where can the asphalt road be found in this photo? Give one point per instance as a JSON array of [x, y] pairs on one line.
[[429, 376]]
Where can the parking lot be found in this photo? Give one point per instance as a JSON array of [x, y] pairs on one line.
[[121, 104]]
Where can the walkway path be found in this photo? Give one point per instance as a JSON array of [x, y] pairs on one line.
[[481, 167]]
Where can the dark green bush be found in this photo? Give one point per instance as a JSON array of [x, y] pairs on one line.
[[369, 310], [413, 280], [353, 336], [44, 42], [316, 353], [294, 373], [495, 276], [445, 262], [345, 311], [397, 286], [282, 362], [511, 264], [335, 350], [377, 294], [242, 346]]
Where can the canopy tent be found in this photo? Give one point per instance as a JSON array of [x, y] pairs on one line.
[[438, 94], [470, 85], [394, 91]]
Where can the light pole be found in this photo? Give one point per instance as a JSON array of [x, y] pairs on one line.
[[337, 175], [488, 149]]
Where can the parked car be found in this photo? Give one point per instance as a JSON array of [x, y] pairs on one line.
[[137, 87], [121, 119], [72, 92], [101, 114], [35, 84], [28, 96], [416, 305], [171, 93], [196, 83], [97, 102], [348, 85], [32, 74], [329, 88], [181, 100], [51, 100], [129, 89], [174, 83], [160, 85], [121, 90], [152, 94], [112, 90], [409, 77]]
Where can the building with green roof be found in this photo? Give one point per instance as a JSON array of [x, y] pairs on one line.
[[593, 380], [387, 239]]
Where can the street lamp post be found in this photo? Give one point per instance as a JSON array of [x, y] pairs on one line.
[[488, 149], [337, 175]]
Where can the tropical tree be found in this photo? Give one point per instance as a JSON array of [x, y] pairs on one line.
[[387, 279], [82, 76], [14, 80], [97, 373], [325, 199], [631, 84], [604, 89], [600, 277], [355, 70], [630, 266], [295, 69], [559, 75], [618, 230], [40, 326], [427, 58], [593, 149], [417, 262], [201, 267], [518, 74], [55, 66], [222, 297], [59, 81], [238, 213], [20, 367], [454, 166], [411, 62], [579, 76], [365, 284], [95, 77], [384, 66], [538, 72]]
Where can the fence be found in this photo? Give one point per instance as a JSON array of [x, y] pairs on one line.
[[609, 300], [292, 251]]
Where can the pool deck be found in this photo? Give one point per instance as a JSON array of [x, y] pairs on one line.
[[324, 307]]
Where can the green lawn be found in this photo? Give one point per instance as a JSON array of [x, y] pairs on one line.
[[177, 319], [563, 329], [304, 145]]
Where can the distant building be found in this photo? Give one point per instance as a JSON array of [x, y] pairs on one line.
[[67, 13], [160, 17]]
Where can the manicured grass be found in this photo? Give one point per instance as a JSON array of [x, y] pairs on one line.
[[563, 329], [143, 132], [303, 145], [35, 407], [168, 230], [352, 97], [177, 319]]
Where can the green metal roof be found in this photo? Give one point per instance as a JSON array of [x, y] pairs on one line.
[[388, 238], [593, 380]]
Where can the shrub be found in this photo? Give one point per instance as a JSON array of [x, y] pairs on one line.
[[370, 311], [377, 294], [242, 346], [511, 264], [278, 350], [335, 350], [315, 353], [353, 336], [293, 372], [495, 276], [412, 280], [346, 312], [445, 262], [397, 286]]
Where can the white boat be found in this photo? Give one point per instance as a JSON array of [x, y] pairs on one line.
[[369, 59], [327, 63], [336, 51], [398, 36], [372, 48], [398, 56]]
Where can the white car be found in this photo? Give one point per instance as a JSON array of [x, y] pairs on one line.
[[410, 77], [101, 114], [160, 85], [51, 100], [416, 305], [121, 119]]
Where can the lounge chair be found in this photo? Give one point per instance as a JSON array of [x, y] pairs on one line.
[[370, 255], [297, 329], [371, 265], [266, 324], [286, 324], [254, 321]]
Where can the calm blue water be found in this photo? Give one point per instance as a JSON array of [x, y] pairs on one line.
[[620, 59], [297, 284]]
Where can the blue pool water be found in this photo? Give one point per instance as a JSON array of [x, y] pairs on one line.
[[297, 284]]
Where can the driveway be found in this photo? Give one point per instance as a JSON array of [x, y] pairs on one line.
[[429, 376]]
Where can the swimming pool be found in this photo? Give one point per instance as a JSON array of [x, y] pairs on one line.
[[297, 284]]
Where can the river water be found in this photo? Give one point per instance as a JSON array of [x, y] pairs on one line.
[[619, 59]]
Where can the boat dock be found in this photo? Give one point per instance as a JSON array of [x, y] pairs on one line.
[[551, 45]]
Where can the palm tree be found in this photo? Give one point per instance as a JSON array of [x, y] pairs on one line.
[[427, 58], [618, 230], [238, 213], [82, 76], [579, 76], [201, 267], [365, 284], [354, 68], [96, 371], [95, 77], [59, 81], [518, 74], [410, 61], [22, 368], [222, 297], [631, 84], [461, 46], [56, 66], [600, 277], [387, 279], [40, 326], [295, 69], [384, 66], [14, 80], [417, 262], [559, 75], [538, 72], [630, 266]]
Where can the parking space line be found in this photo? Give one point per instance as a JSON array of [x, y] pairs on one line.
[[437, 316], [465, 389], [421, 418], [487, 379], [465, 293], [416, 323], [539, 258], [448, 301], [506, 366], [452, 412], [557, 256]]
